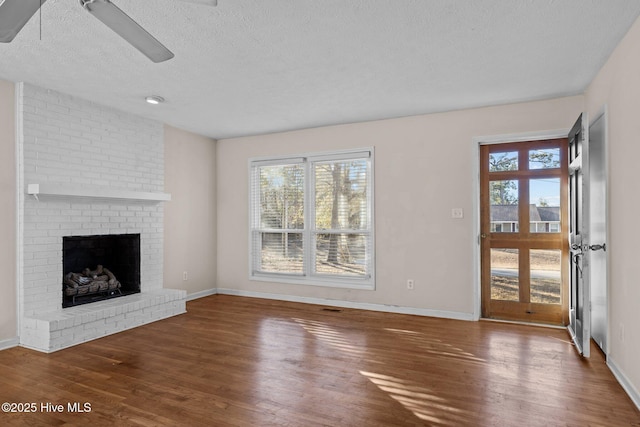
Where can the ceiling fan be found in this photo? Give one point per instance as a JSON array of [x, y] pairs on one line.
[[14, 14]]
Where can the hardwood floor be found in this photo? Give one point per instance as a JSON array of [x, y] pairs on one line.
[[233, 361]]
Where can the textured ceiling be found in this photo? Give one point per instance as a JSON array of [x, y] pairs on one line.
[[258, 66]]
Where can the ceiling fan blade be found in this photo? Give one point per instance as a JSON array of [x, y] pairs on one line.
[[128, 29], [207, 2], [14, 14]]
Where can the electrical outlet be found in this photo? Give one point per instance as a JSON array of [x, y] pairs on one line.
[[410, 284], [185, 275], [457, 213]]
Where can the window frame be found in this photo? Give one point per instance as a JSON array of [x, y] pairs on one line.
[[309, 276]]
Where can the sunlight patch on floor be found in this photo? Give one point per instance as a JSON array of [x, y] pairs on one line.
[[329, 336], [435, 346], [423, 402]]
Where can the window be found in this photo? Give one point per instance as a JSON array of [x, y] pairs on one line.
[[312, 219]]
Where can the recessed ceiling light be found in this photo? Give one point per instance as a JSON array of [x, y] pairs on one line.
[[154, 99]]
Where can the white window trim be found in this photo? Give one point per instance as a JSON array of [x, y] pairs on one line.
[[367, 283]]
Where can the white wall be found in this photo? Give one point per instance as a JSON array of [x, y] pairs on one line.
[[618, 86], [423, 168], [7, 212], [190, 216]]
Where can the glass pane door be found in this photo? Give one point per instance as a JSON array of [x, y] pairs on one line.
[[524, 231]]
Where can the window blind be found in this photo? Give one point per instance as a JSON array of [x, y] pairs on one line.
[[312, 218]]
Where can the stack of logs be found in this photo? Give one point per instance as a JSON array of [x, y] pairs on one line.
[[90, 282]]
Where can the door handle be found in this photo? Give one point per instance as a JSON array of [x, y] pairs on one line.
[[598, 247], [576, 247]]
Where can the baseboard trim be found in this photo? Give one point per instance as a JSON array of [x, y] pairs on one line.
[[624, 382], [9, 343], [516, 322], [350, 304], [202, 294]]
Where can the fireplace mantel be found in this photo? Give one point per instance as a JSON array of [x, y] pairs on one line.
[[64, 191]]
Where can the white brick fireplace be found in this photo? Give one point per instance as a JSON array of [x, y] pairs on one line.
[[85, 169]]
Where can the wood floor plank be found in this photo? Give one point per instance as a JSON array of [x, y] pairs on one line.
[[233, 361]]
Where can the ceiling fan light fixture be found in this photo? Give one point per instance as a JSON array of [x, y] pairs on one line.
[[154, 99]]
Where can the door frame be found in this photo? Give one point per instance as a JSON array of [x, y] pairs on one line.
[[476, 142]]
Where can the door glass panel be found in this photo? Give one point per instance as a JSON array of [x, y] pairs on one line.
[[544, 158], [545, 275], [504, 275], [507, 161], [504, 206], [544, 203]]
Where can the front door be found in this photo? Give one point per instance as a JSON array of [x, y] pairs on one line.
[[524, 229]]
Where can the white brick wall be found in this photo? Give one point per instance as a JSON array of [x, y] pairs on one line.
[[70, 141]]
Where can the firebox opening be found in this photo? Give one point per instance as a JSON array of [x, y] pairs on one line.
[[96, 268]]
